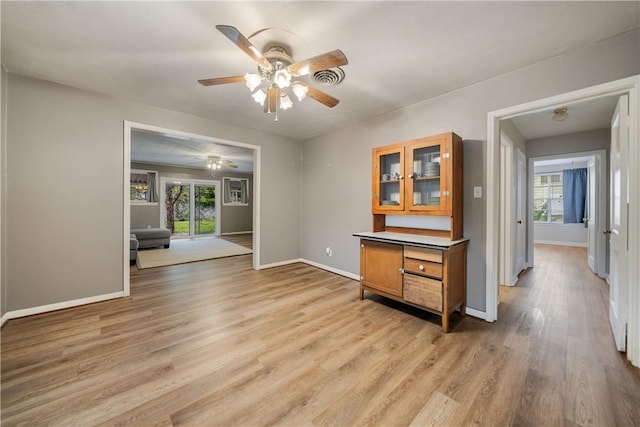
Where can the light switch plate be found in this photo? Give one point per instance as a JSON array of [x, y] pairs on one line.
[[477, 192]]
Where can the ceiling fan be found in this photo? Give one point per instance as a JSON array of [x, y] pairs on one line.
[[215, 162], [277, 71]]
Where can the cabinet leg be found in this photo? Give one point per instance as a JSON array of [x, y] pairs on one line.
[[361, 293], [445, 323], [463, 309]]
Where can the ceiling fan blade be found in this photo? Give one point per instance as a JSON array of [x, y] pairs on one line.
[[322, 97], [335, 58], [221, 80], [243, 43]]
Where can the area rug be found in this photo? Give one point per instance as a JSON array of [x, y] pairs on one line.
[[189, 250]]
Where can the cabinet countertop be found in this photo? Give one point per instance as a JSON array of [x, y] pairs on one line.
[[411, 239]]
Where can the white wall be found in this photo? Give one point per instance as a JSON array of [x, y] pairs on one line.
[[336, 172], [65, 189], [560, 234]]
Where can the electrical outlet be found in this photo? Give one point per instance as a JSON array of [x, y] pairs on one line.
[[477, 192], [329, 251]]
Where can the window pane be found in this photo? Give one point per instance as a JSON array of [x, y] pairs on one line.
[[138, 186], [540, 188], [556, 190], [556, 210], [540, 210]]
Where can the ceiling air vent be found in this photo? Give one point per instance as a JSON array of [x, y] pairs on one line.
[[330, 77]]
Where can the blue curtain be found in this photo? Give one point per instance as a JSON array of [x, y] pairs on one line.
[[574, 195]]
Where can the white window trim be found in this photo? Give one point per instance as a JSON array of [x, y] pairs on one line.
[[224, 190], [549, 198], [144, 202]]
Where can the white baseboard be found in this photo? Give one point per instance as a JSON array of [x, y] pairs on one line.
[[555, 242], [279, 263], [3, 319], [476, 313], [314, 264], [59, 306], [331, 269]]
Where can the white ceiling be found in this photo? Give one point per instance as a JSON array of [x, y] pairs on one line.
[[164, 149], [583, 116], [399, 52]]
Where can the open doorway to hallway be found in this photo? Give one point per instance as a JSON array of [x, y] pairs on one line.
[[626, 90]]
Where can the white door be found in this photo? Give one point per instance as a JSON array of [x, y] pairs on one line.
[[590, 215], [521, 211], [618, 219]]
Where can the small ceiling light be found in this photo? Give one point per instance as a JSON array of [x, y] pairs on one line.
[[560, 114], [300, 90], [252, 81], [285, 102], [259, 96], [282, 78]]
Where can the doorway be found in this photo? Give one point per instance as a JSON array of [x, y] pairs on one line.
[[129, 128], [512, 211], [546, 175], [628, 86]]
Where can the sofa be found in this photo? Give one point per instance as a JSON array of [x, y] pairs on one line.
[[133, 248], [143, 238]]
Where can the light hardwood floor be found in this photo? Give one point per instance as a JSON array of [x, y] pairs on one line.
[[216, 343]]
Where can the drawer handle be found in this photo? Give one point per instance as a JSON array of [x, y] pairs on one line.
[[421, 267]]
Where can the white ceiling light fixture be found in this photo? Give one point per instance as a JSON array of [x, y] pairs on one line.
[[278, 73], [252, 81], [300, 90], [282, 78], [215, 163], [560, 114]]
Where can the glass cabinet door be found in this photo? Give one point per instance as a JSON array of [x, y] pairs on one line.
[[389, 180], [427, 169]]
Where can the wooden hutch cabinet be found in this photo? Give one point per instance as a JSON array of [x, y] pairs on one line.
[[420, 266]]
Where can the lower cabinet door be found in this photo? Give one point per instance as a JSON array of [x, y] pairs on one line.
[[381, 265], [423, 291]]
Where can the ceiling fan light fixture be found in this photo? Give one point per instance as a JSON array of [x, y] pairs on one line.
[[276, 69], [285, 102], [300, 90], [282, 78], [560, 114], [259, 96], [252, 81]]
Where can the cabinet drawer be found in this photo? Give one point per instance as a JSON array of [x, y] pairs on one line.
[[427, 268], [423, 291], [425, 254]]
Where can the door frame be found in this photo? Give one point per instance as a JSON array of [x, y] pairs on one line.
[[629, 85], [128, 127], [192, 183], [522, 215], [507, 212]]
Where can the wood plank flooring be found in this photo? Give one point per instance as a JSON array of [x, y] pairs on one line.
[[216, 343]]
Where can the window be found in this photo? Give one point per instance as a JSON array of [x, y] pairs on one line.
[[236, 191], [142, 187], [547, 197]]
